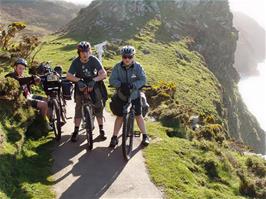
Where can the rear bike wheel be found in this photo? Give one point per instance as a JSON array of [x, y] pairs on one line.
[[89, 125], [127, 135], [63, 110], [56, 119]]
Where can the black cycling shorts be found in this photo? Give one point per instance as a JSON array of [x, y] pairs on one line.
[[33, 101]]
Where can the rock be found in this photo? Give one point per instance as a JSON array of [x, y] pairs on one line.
[[146, 52], [5, 57], [194, 122]]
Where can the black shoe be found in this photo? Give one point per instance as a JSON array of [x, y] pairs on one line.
[[49, 127], [62, 123], [114, 142], [145, 140], [74, 137], [102, 135]]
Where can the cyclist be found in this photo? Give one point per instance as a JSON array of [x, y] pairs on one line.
[[35, 101], [127, 75], [86, 66]]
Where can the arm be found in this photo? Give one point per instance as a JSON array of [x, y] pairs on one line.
[[141, 79], [21, 80], [26, 80], [71, 73], [72, 77], [101, 75], [114, 80]]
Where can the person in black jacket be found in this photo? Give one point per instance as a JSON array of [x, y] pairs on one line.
[[35, 101]]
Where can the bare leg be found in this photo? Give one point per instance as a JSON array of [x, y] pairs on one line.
[[99, 120], [43, 107], [77, 122], [141, 124], [117, 125]]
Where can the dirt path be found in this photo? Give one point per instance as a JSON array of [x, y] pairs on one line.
[[100, 173]]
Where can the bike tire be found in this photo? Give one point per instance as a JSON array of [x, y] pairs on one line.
[[89, 120], [127, 136], [56, 120], [63, 109]]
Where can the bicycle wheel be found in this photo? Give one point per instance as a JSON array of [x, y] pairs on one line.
[[89, 123], [56, 120], [63, 110], [127, 135]]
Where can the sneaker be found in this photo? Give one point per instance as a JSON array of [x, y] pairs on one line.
[[74, 136], [102, 135], [114, 141], [49, 127], [145, 140]]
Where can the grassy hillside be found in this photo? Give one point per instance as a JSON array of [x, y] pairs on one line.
[[184, 163], [196, 85], [42, 16]]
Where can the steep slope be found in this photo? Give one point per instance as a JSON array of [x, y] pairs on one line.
[[208, 23]]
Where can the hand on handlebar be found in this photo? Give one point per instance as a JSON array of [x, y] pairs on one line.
[[86, 87], [125, 88], [37, 79], [91, 84]]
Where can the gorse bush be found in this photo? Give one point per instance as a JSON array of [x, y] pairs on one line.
[[13, 48], [10, 89]]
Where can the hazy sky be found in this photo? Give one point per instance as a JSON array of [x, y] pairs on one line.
[[85, 2], [253, 89], [254, 8]]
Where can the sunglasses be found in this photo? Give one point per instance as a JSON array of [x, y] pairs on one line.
[[127, 57], [85, 51]]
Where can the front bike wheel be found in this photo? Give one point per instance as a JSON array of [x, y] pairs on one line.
[[127, 135], [56, 119], [89, 125]]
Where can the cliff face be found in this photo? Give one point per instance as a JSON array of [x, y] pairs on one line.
[[208, 23]]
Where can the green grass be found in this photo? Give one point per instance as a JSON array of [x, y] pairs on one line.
[[25, 156], [177, 166]]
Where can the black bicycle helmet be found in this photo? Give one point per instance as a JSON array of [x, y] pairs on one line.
[[128, 50], [43, 68], [83, 46], [21, 61], [58, 69]]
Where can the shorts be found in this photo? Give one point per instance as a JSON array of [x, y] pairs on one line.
[[98, 112], [34, 99], [117, 106]]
